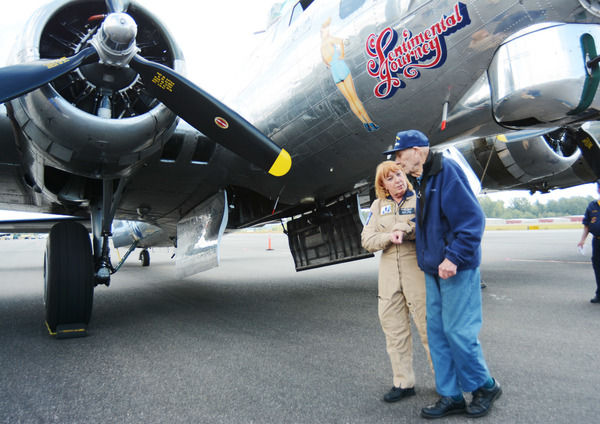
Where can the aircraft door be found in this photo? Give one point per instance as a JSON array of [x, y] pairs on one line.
[[327, 236]]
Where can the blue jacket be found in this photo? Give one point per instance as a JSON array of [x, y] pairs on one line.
[[450, 221], [591, 217]]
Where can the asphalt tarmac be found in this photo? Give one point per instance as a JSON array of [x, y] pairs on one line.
[[255, 342]]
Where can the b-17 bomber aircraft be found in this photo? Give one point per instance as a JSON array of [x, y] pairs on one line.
[[99, 123]]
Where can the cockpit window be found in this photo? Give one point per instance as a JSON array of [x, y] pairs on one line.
[[296, 12], [347, 7], [300, 7]]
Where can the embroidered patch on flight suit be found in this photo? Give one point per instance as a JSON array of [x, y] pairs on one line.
[[407, 211], [386, 210]]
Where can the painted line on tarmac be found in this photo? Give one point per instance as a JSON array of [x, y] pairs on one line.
[[552, 261]]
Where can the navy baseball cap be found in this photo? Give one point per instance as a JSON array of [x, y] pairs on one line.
[[408, 139]]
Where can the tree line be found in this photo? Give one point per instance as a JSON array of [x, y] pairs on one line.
[[521, 207]]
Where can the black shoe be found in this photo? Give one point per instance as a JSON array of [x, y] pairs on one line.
[[483, 399], [444, 406], [595, 299], [397, 393]]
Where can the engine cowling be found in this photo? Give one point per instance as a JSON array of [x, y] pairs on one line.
[[112, 123], [528, 160]]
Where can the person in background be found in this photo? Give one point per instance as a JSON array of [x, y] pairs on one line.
[[390, 227], [449, 229], [591, 224]]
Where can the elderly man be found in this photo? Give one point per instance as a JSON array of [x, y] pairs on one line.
[[449, 229]]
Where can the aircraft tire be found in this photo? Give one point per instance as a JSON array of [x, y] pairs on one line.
[[145, 257], [68, 279]]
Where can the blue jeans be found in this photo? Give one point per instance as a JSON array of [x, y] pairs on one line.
[[453, 324]]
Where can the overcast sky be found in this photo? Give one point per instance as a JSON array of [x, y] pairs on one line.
[[216, 38]]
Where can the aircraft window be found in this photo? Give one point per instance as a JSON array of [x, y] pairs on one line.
[[298, 9], [296, 13], [347, 7]]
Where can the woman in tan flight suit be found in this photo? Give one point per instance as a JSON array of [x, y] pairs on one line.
[[391, 228]]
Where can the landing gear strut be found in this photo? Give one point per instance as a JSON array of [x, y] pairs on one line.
[[72, 268]]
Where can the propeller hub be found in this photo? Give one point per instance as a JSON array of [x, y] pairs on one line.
[[118, 31], [115, 42]]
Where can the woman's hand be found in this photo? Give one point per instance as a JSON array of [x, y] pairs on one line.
[[396, 237]]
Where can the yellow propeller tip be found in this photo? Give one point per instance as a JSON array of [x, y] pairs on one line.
[[502, 138], [282, 164]]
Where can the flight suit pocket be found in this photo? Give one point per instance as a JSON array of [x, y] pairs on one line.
[[392, 312], [385, 312]]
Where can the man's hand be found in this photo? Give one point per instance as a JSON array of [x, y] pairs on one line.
[[396, 237], [446, 269]]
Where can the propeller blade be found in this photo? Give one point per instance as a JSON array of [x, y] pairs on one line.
[[20, 79], [211, 117]]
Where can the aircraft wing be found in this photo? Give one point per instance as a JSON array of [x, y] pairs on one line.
[[37, 225]]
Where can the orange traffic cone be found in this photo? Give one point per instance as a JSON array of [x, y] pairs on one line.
[[269, 245]]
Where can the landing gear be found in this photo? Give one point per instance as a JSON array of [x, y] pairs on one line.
[[145, 257], [73, 266], [68, 280]]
